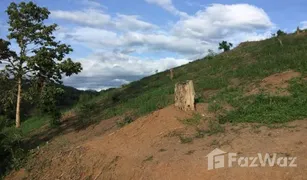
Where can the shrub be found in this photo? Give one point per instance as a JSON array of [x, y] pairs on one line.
[[11, 153], [214, 128], [185, 140], [211, 54], [127, 120], [193, 121], [85, 98], [86, 113], [280, 33]]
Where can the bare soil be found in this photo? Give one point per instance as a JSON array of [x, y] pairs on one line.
[[150, 148], [275, 84]]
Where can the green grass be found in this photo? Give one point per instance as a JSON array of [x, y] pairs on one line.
[[33, 123], [193, 121], [185, 140], [249, 63], [214, 128], [127, 120], [268, 109]]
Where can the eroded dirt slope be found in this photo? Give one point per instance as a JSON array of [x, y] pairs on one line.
[[150, 148]]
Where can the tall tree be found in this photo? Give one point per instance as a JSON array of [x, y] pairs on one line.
[[6, 95], [5, 53], [39, 56], [225, 46]]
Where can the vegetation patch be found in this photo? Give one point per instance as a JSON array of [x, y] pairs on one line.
[[149, 158], [185, 140], [215, 128], [190, 152], [127, 120], [162, 150], [193, 121]]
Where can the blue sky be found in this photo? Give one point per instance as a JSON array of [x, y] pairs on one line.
[[121, 41]]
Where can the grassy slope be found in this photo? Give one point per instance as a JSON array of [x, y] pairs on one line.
[[250, 62]]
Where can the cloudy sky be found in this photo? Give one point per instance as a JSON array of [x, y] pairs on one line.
[[119, 41]]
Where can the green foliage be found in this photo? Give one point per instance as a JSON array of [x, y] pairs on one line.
[[48, 103], [5, 53], [214, 128], [249, 63], [185, 140], [214, 106], [33, 123], [280, 33], [7, 96], [268, 109], [127, 120], [211, 54], [200, 133], [224, 45], [40, 56], [87, 113], [11, 153], [195, 120], [86, 97]]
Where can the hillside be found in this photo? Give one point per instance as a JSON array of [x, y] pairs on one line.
[[229, 78], [247, 99]]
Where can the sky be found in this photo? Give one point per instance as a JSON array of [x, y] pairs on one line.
[[119, 41]]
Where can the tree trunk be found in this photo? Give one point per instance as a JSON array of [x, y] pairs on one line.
[[18, 103], [185, 96], [171, 75]]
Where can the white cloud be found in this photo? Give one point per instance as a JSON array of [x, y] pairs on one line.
[[91, 3], [91, 36], [247, 36], [90, 17], [131, 22], [130, 41], [219, 20], [118, 64], [163, 42], [304, 24], [193, 3], [122, 41], [109, 69], [168, 5], [122, 81], [99, 19]]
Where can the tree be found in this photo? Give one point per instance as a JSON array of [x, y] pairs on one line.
[[7, 96], [5, 53], [6, 93], [40, 57], [225, 46], [280, 33]]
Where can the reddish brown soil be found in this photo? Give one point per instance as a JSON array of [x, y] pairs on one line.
[[150, 148], [275, 84]]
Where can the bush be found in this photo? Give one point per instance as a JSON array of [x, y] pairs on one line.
[[55, 119], [127, 120], [210, 54], [214, 128], [86, 113], [11, 153], [85, 98], [280, 33]]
